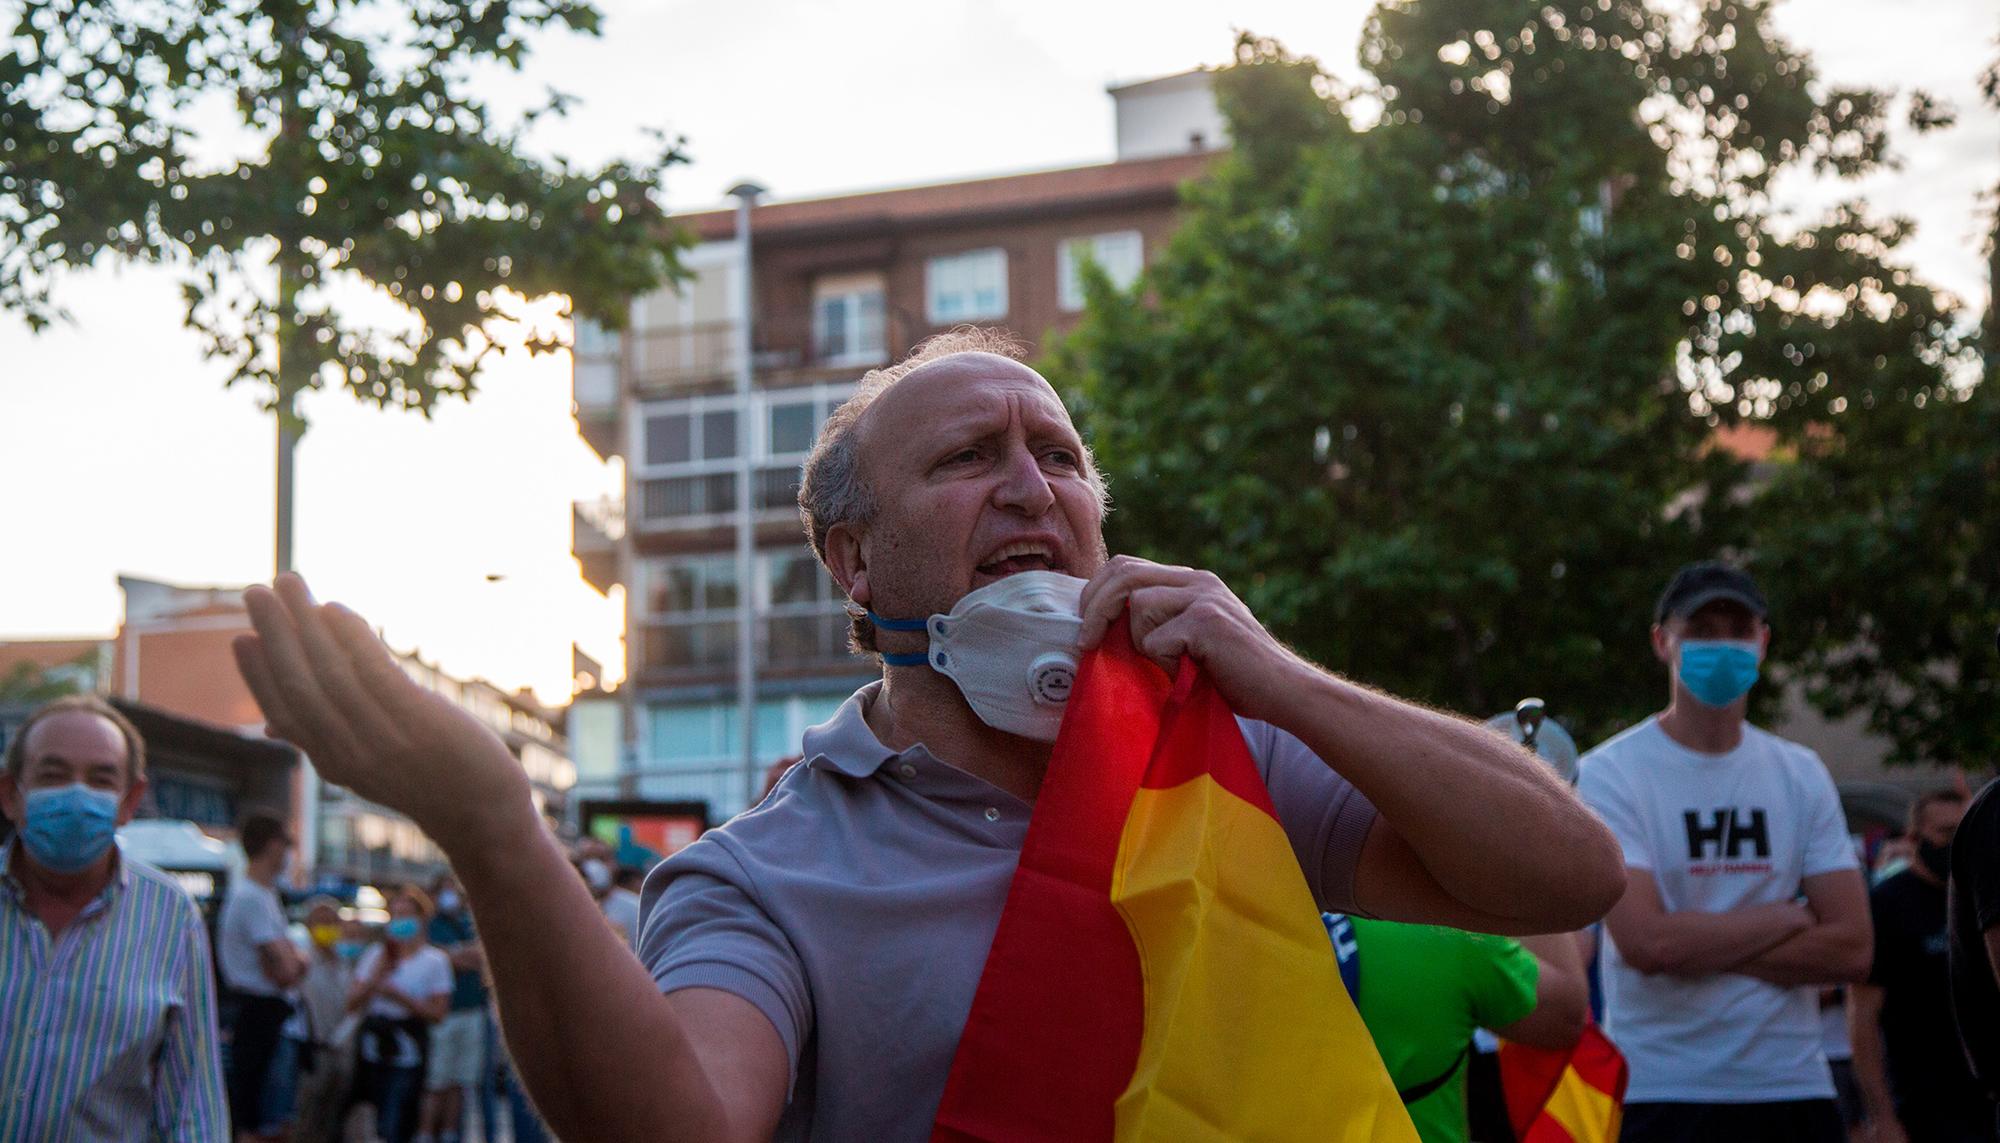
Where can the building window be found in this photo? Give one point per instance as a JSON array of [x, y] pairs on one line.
[[689, 479], [966, 287], [682, 436], [793, 425], [804, 620], [688, 613], [1120, 254], [710, 734], [848, 325]]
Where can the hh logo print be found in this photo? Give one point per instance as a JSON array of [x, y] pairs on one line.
[[1721, 840]]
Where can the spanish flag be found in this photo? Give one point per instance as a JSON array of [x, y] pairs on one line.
[[1574, 1096], [1160, 970]]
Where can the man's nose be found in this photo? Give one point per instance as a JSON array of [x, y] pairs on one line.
[[1023, 487]]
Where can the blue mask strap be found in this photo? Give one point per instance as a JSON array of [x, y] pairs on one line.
[[903, 658], [895, 624]]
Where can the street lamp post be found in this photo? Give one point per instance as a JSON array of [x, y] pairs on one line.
[[746, 194]]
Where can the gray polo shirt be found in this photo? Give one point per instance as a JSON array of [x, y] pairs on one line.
[[854, 907]]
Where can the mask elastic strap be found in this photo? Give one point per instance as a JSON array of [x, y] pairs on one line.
[[901, 658]]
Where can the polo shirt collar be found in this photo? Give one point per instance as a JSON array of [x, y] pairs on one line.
[[844, 743]]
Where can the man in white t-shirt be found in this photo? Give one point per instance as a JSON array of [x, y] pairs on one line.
[[1743, 894], [259, 966]]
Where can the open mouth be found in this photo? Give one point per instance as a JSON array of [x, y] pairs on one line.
[[1022, 556]]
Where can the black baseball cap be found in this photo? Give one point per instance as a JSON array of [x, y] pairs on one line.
[[1702, 583]]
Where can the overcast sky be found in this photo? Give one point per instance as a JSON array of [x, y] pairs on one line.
[[121, 452]]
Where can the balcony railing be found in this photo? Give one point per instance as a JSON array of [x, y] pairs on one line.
[[705, 499], [666, 357], [792, 638]]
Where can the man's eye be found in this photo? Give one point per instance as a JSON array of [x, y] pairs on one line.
[[1062, 456]]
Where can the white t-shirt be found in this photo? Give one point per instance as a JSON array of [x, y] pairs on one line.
[[421, 975], [1718, 832], [251, 918]]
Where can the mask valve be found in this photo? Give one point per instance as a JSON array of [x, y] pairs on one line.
[[1050, 677]]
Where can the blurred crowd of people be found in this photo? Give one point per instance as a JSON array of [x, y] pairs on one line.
[[367, 1033], [129, 1014]]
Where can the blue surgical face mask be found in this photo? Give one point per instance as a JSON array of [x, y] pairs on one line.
[[402, 929], [1717, 672], [69, 827], [348, 950]]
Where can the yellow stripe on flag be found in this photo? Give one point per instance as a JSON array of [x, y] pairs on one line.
[[1237, 968], [1588, 1114]]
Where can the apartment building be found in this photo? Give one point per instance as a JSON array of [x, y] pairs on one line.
[[838, 285]]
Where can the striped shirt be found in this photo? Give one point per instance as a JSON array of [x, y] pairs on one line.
[[108, 1031]]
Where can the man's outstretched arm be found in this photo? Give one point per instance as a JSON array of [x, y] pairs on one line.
[[1475, 831], [602, 1052]]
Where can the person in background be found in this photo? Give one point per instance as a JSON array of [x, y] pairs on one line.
[[1894, 856], [259, 966], [600, 874], [1423, 989], [326, 1063], [402, 987], [1972, 935], [107, 1004], [1914, 1082], [1743, 893], [458, 1043]]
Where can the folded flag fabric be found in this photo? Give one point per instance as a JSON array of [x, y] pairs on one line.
[[1160, 970], [1574, 1096]]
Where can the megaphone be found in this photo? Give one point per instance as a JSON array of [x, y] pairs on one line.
[[1528, 724]]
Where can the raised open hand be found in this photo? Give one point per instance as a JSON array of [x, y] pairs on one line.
[[328, 685]]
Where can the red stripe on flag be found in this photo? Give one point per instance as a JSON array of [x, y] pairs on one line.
[[1053, 1035], [1529, 1077], [1223, 756]]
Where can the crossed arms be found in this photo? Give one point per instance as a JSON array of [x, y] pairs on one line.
[[1825, 939]]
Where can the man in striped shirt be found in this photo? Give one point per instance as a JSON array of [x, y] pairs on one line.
[[107, 1004]]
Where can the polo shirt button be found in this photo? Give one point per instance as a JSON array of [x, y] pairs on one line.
[[992, 814], [907, 770]]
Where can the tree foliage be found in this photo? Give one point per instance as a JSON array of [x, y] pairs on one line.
[[365, 166], [1441, 397], [1881, 530], [28, 685]]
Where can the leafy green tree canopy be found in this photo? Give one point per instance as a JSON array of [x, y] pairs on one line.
[[1440, 397], [1880, 529], [365, 165]]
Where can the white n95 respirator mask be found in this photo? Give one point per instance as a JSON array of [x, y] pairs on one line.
[[1011, 647]]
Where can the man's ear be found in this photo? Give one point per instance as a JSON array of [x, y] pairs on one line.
[[1662, 644], [847, 559], [129, 804]]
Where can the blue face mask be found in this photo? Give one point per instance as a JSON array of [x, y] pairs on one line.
[[1717, 672], [348, 950], [402, 929], [69, 827]]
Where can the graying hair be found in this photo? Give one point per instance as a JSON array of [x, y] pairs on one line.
[[832, 490]]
